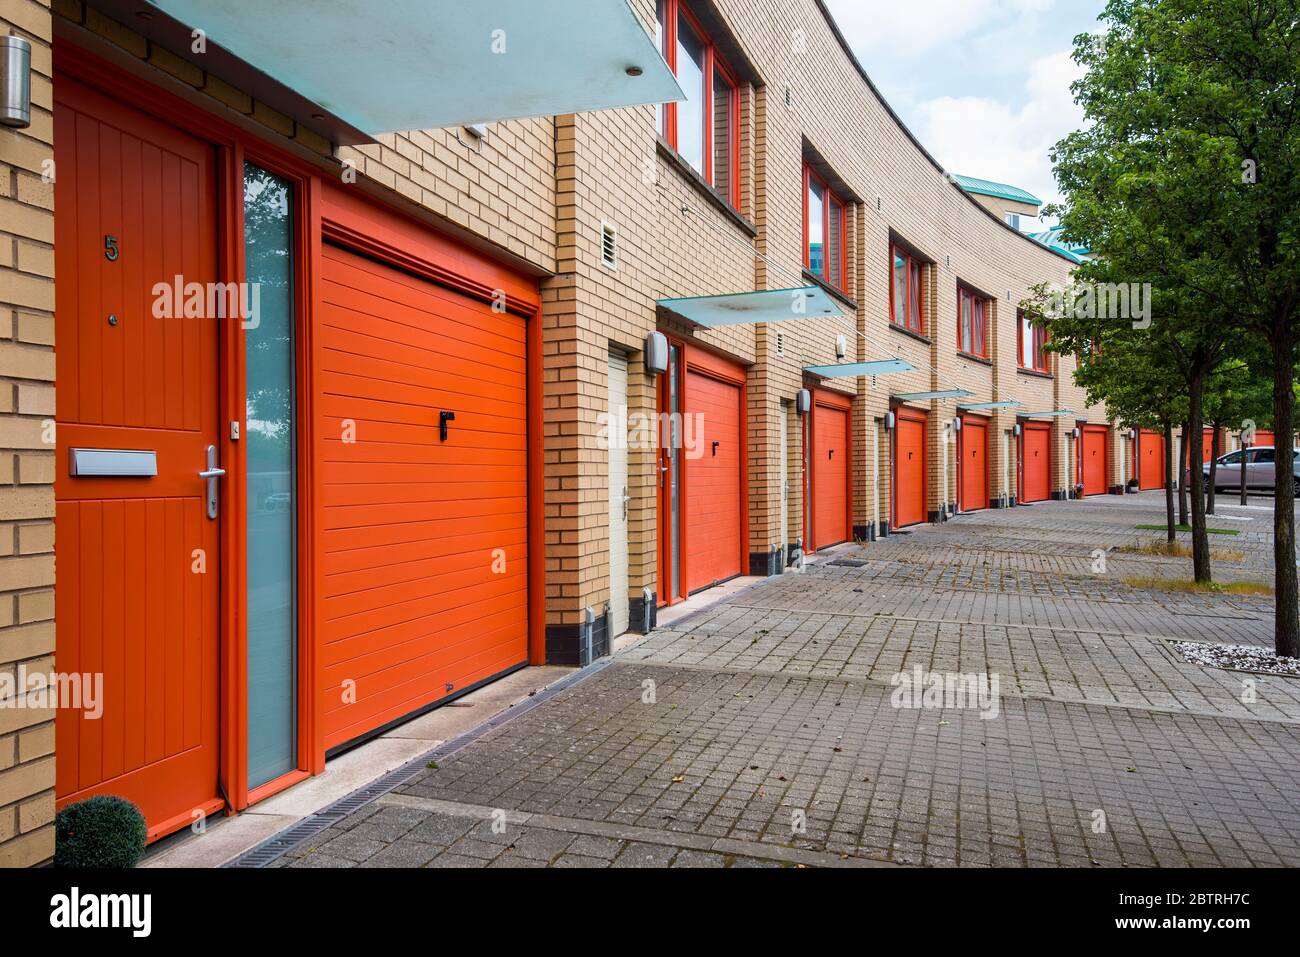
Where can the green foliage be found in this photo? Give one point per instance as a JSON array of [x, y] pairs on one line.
[[104, 831]]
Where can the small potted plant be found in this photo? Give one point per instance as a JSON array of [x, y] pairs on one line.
[[104, 831]]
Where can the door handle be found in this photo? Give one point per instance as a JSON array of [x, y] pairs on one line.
[[211, 474]]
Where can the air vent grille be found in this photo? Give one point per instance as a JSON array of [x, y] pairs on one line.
[[609, 245]]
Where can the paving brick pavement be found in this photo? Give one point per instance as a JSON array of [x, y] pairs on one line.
[[764, 731]]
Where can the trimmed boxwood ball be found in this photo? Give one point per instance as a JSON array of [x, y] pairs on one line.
[[104, 831]]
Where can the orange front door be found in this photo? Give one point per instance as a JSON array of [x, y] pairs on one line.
[[1151, 460], [138, 557], [1094, 459], [830, 467], [1036, 462], [425, 537], [974, 452], [909, 467], [713, 482], [1207, 446]]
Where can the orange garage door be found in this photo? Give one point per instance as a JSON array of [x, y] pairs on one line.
[[1035, 462], [830, 468], [1151, 460], [973, 443], [1094, 459], [909, 467], [423, 560], [713, 481]]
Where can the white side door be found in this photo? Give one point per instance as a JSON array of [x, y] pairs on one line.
[[783, 473], [618, 495]]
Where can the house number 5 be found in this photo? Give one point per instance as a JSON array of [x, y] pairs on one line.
[[110, 248]]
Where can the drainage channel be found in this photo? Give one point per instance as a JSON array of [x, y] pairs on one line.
[[277, 845]]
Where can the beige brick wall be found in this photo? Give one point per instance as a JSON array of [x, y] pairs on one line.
[[670, 252], [537, 191], [26, 448]]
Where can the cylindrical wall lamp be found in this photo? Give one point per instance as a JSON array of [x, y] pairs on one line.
[[15, 82], [803, 402]]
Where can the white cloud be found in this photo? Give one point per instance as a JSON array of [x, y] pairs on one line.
[[914, 27], [978, 136]]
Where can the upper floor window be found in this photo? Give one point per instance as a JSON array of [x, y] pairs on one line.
[[972, 323], [905, 292], [823, 231], [701, 128], [1031, 351]]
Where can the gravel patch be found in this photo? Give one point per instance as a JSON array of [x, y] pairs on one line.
[[1238, 658]]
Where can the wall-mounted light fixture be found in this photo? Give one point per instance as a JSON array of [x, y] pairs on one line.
[[1075, 432], [803, 402], [889, 421], [1015, 430], [956, 424], [15, 82], [656, 353], [841, 346]]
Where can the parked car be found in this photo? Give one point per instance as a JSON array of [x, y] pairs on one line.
[[1261, 471]]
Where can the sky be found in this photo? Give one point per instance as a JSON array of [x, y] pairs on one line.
[[983, 84]]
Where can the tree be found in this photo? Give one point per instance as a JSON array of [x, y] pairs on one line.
[[1189, 167], [1119, 368]]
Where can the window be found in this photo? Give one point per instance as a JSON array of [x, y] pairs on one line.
[[905, 292], [823, 248], [972, 323], [1031, 351], [701, 128]]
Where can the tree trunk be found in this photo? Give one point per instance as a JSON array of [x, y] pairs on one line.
[[1182, 477], [1215, 451], [1169, 485], [1193, 442], [1286, 630]]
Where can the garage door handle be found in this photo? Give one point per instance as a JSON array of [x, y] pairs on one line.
[[211, 474], [715, 448]]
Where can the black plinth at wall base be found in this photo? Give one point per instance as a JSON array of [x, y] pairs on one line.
[[864, 533], [642, 614]]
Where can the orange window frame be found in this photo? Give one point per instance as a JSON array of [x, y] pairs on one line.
[[670, 12], [979, 323], [829, 199], [1041, 337], [915, 292]]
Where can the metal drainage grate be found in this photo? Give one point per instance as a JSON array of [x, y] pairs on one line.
[[280, 844]]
